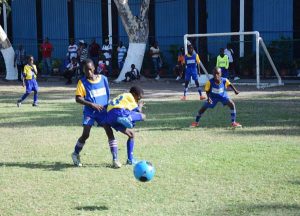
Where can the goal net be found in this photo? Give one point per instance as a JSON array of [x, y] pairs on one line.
[[252, 62]]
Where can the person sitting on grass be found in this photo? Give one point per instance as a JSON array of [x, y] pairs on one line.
[[72, 69], [92, 92], [216, 91], [133, 74], [122, 113], [29, 80]]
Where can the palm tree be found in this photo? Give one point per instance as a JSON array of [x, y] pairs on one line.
[[137, 29]]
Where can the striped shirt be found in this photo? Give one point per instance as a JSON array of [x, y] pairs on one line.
[[121, 53]]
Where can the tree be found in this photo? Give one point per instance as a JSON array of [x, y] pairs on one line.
[[137, 29], [7, 50]]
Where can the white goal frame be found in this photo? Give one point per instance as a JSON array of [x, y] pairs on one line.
[[258, 41]]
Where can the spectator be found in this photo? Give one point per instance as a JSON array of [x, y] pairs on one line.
[[101, 69], [94, 51], [156, 59], [82, 53], [229, 52], [72, 50], [46, 49], [121, 55], [223, 63], [133, 74], [72, 69], [20, 60], [107, 51], [179, 68]]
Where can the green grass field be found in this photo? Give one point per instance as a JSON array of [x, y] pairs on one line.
[[210, 170]]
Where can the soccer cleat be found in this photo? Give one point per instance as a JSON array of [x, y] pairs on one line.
[[236, 125], [195, 124], [131, 162], [116, 164], [35, 104], [202, 97], [125, 122], [236, 78], [157, 77], [19, 103], [183, 98], [76, 159], [178, 78]]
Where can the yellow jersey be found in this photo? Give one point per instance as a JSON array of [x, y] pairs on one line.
[[28, 72], [123, 101]]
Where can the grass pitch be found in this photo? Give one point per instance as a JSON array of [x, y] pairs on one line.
[[210, 170]]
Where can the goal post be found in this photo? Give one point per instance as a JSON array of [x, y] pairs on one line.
[[258, 41]]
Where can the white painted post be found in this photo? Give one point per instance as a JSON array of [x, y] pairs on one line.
[[4, 18], [242, 27], [109, 22]]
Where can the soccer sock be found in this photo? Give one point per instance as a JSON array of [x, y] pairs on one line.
[[233, 115], [199, 90], [113, 145], [130, 146], [185, 91], [24, 96], [198, 117], [78, 147], [35, 97]]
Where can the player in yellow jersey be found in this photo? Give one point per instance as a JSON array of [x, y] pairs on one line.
[[122, 113]]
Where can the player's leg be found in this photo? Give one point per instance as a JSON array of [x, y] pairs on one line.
[[195, 78], [231, 105], [28, 86], [130, 145], [35, 90], [202, 110]]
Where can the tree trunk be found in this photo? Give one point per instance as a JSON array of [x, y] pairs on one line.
[[137, 29], [8, 55]]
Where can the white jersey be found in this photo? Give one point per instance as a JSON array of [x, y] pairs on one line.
[[229, 53], [72, 51], [106, 49]]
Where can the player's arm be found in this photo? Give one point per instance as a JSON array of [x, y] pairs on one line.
[[207, 89], [198, 64], [229, 84]]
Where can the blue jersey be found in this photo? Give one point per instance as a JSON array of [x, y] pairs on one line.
[[96, 91], [191, 62], [217, 90]]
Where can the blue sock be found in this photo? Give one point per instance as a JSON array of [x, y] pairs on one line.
[[24, 97], [198, 117], [113, 145], [233, 115], [130, 146], [185, 91], [35, 97], [78, 147], [199, 90]]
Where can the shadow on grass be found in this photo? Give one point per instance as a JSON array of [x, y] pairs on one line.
[[57, 166], [295, 182], [92, 208]]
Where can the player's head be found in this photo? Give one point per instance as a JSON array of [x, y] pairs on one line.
[[137, 92], [88, 68], [217, 73], [132, 66], [30, 59], [222, 51], [190, 49]]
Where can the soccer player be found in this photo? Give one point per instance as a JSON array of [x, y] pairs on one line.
[[216, 92], [92, 92], [192, 61], [29, 80], [122, 113], [223, 63]]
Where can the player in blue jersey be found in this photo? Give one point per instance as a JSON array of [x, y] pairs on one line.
[[192, 62], [122, 113], [29, 81], [216, 90], [92, 92]]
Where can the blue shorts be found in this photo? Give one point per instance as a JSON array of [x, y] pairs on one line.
[[191, 74], [113, 115], [89, 118], [223, 100], [31, 85], [224, 72]]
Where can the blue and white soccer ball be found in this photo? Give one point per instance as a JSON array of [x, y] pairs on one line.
[[144, 171]]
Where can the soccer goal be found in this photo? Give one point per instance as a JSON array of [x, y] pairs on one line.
[[250, 60]]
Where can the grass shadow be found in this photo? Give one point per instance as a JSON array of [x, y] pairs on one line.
[[91, 208], [57, 166]]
